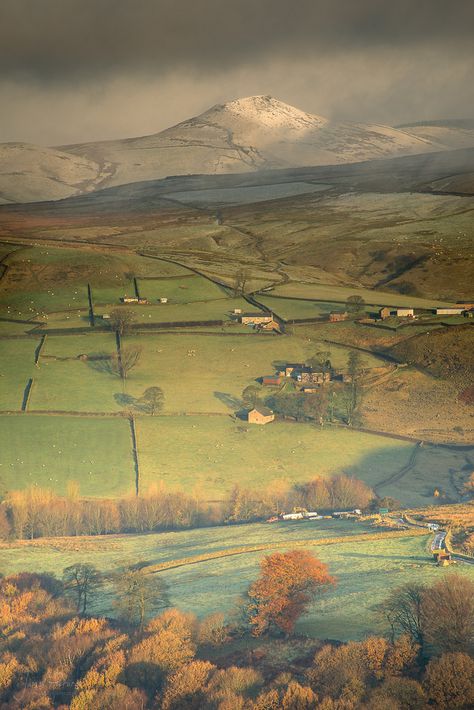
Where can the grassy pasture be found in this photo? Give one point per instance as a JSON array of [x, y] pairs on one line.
[[49, 451], [200, 373], [184, 289], [64, 383], [340, 294], [289, 308], [52, 279], [8, 328], [433, 468], [365, 570], [16, 367], [218, 309], [211, 454], [30, 304]]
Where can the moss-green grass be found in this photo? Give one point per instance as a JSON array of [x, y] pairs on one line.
[[198, 373], [186, 289], [289, 308], [365, 571], [340, 294], [212, 454], [16, 367], [49, 451]]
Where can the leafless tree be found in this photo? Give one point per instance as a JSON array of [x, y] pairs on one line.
[[121, 319], [125, 360]]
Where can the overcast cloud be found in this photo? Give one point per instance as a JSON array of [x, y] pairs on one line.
[[76, 70]]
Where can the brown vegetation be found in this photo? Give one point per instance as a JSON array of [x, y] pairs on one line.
[[37, 512], [51, 658]]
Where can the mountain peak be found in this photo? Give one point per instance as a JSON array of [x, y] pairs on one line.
[[268, 112]]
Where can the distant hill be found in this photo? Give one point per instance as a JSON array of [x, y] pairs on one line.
[[253, 134], [30, 173], [250, 134]]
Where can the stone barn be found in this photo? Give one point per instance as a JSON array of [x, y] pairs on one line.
[[260, 415]]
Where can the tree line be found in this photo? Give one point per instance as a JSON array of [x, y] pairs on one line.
[[39, 512]]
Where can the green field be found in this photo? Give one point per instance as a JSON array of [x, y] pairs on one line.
[[211, 454], [340, 294], [185, 289], [17, 359], [49, 451], [289, 308], [365, 571]]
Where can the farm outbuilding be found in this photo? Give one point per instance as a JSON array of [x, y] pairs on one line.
[[272, 380], [270, 325], [255, 318], [260, 415], [405, 312], [336, 316], [385, 313], [129, 299], [457, 311]]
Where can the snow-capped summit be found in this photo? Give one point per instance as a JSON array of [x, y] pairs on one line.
[[268, 111], [243, 135]]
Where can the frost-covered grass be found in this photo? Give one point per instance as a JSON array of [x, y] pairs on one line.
[[365, 571]]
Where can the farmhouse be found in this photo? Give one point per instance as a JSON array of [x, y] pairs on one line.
[[255, 318], [336, 316], [260, 415], [385, 313], [290, 367], [304, 374]]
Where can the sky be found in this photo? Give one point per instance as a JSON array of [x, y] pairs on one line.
[[83, 70]]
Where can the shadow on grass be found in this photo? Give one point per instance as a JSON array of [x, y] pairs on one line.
[[126, 401], [228, 400]]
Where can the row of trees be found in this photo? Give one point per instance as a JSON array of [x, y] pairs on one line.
[[37, 512], [51, 657]]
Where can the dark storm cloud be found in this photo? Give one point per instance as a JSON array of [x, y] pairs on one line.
[[54, 40]]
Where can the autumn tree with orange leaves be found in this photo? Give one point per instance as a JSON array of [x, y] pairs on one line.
[[288, 583]]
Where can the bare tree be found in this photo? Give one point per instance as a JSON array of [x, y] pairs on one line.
[[121, 319], [81, 580], [137, 592], [240, 281], [403, 610], [125, 360]]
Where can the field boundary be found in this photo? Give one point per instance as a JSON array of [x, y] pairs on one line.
[[248, 549], [39, 349], [27, 395], [136, 463]]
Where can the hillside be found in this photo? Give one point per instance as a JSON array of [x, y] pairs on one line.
[[447, 353], [30, 173], [254, 133], [248, 135]]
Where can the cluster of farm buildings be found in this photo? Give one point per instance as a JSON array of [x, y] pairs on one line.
[[308, 378]]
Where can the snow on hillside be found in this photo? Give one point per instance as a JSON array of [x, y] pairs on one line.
[[245, 135], [30, 173], [253, 133]]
